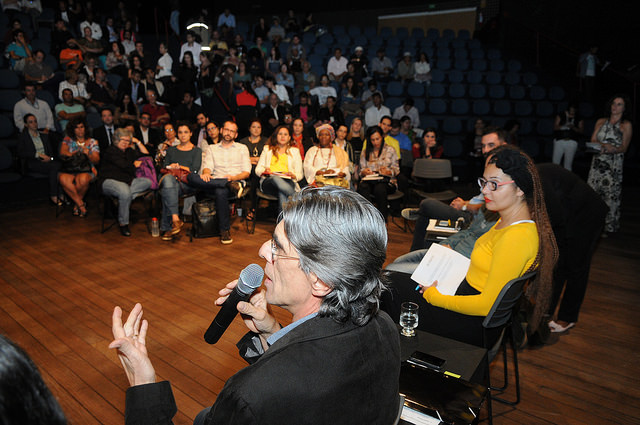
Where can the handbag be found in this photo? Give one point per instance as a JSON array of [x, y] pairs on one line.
[[75, 164], [205, 219], [178, 173]]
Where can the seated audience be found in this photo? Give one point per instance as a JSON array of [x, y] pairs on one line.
[[78, 88], [408, 109], [158, 113], [304, 109], [71, 56], [406, 69], [331, 113], [342, 142], [100, 91], [568, 128], [429, 146], [118, 174], [170, 140], [299, 138], [323, 91], [356, 136], [337, 66], [280, 166], [327, 164], [30, 104], [79, 154], [179, 162], [255, 143], [18, 52], [34, 147], [422, 70], [381, 66], [36, 70], [126, 110], [379, 166], [305, 79], [117, 61], [374, 114], [150, 137], [225, 168], [68, 109]]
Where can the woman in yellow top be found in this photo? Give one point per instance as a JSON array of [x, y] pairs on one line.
[[522, 240], [280, 166]]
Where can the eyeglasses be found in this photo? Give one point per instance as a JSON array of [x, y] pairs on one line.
[[229, 130], [493, 185], [274, 253]]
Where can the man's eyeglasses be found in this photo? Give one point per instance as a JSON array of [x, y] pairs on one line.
[[229, 130], [274, 253], [493, 185]]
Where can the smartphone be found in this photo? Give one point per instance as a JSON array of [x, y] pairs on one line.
[[425, 360]]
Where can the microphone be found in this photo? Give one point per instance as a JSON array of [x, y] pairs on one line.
[[250, 279]]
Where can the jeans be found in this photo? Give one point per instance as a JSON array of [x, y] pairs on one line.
[[277, 186], [170, 191], [219, 190], [407, 263], [125, 194], [431, 208], [567, 148]]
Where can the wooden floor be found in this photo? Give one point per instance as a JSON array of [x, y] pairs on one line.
[[60, 279]]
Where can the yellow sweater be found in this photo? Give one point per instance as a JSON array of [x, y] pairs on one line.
[[497, 257]]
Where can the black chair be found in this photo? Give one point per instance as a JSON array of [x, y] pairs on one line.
[[499, 320], [110, 207]]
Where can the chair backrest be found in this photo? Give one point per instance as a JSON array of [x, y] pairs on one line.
[[508, 298], [431, 168]]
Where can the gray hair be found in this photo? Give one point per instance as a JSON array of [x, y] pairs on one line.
[[342, 238], [122, 132]]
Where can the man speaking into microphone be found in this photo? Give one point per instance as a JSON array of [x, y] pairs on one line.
[[338, 362]]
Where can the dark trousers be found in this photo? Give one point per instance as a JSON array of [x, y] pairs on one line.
[[435, 320], [379, 190], [50, 168], [218, 189]]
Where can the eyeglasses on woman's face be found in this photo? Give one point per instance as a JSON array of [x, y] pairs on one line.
[[492, 185]]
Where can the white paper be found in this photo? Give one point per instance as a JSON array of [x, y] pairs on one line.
[[417, 418], [443, 264]]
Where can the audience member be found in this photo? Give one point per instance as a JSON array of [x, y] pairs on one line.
[[305, 79], [331, 113], [101, 93], [227, 18], [367, 95], [225, 168], [79, 155], [280, 166], [179, 161], [272, 115], [212, 135], [150, 83], [30, 104], [164, 65], [105, 133], [78, 89], [406, 69], [429, 147], [187, 73], [342, 143], [68, 109], [118, 174], [128, 43], [255, 143], [116, 61], [285, 78], [360, 63], [150, 137], [59, 37], [126, 110], [200, 134], [191, 45], [381, 66], [568, 128], [350, 98], [110, 30], [170, 139], [408, 108], [326, 164], [323, 322], [261, 29], [273, 62], [299, 138], [323, 91], [95, 28], [276, 33], [88, 44], [36, 70], [422, 69], [378, 170], [587, 70], [37, 152], [337, 66], [356, 134], [18, 52], [133, 87], [613, 134], [159, 114], [25, 398], [374, 114], [431, 208], [71, 56], [304, 109], [260, 90]]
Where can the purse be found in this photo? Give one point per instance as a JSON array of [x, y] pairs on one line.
[[205, 219], [75, 164], [178, 173]]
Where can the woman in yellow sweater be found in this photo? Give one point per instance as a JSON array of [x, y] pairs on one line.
[[521, 241], [280, 166]]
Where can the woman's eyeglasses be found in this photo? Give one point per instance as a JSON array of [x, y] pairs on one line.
[[493, 185]]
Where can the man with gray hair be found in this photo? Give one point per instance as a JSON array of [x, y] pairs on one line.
[[337, 362]]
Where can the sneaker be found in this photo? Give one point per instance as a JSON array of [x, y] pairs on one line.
[[236, 188], [225, 238], [167, 236], [410, 213], [176, 227]]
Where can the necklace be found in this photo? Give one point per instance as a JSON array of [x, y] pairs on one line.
[[322, 157]]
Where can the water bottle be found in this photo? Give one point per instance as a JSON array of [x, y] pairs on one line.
[[155, 227]]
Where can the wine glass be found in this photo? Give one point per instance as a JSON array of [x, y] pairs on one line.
[[408, 318]]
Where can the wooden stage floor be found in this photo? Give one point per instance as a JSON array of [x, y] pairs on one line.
[[60, 279]]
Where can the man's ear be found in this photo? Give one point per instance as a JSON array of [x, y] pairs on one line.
[[318, 287]]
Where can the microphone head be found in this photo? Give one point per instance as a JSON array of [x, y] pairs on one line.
[[250, 279]]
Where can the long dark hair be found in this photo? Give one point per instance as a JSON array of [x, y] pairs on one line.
[[369, 133], [24, 397], [273, 140], [626, 115]]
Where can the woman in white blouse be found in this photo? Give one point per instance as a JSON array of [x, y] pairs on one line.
[[327, 163], [280, 166]]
